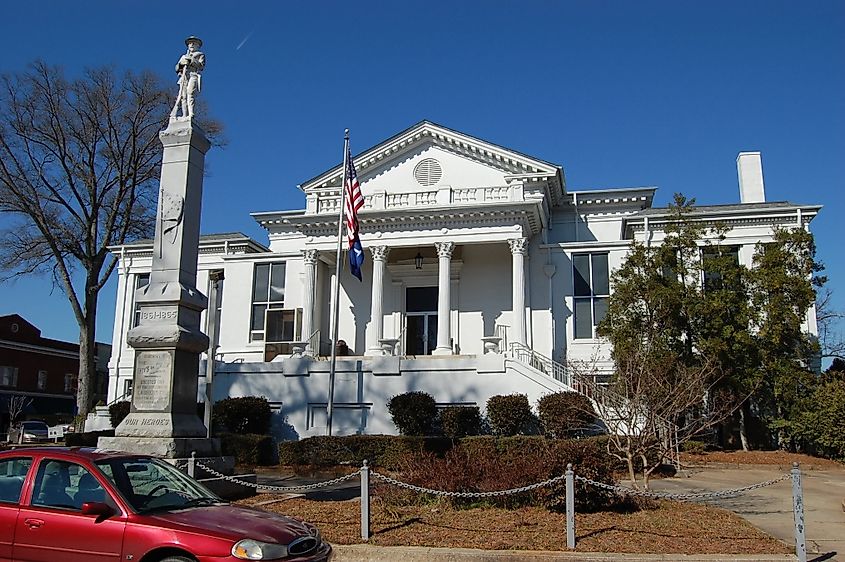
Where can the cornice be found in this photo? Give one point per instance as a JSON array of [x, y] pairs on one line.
[[525, 214]]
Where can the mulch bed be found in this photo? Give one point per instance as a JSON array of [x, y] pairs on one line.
[[783, 459], [663, 527]]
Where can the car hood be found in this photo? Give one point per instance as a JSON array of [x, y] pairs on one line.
[[235, 523]]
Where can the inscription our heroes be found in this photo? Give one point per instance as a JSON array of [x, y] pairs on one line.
[[152, 380]]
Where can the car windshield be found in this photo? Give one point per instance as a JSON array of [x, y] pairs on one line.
[[34, 425], [153, 485]]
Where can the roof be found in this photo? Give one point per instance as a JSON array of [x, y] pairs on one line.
[[731, 207], [237, 241], [203, 238], [515, 162]]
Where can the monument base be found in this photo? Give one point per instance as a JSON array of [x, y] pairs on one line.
[[166, 447]]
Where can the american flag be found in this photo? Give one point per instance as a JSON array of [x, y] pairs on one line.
[[354, 201]]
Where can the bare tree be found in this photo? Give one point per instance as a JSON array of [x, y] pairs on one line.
[[79, 163], [831, 341], [651, 406], [17, 403]]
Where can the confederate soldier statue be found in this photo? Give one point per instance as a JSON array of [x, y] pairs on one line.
[[190, 80]]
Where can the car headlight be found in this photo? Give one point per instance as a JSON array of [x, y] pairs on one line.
[[249, 549]]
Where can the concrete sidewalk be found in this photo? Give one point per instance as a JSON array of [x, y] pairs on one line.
[[367, 553], [770, 508]]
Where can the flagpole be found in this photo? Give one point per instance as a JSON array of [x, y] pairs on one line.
[[336, 296]]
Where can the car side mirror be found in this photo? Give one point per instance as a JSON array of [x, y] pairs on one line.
[[99, 509]]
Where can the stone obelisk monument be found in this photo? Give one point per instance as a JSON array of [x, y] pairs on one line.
[[168, 341]]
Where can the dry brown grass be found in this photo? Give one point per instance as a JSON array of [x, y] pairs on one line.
[[664, 527], [782, 459]]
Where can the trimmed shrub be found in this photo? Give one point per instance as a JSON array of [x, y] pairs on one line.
[[482, 464], [248, 449], [413, 413], [471, 464], [247, 414], [563, 413], [510, 414], [386, 451], [460, 421], [118, 411], [88, 439]]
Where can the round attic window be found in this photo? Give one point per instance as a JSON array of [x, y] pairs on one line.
[[15, 328], [428, 172]]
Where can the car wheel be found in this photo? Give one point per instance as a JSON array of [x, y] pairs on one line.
[[177, 559]]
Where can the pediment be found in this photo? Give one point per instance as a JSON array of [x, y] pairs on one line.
[[428, 156]]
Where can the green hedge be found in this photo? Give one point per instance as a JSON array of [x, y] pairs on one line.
[[385, 451], [563, 413], [246, 414], [413, 413], [510, 415], [248, 449], [460, 421]]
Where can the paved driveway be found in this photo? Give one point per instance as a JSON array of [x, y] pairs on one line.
[[770, 508]]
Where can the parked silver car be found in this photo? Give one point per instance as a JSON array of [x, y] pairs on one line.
[[28, 432]]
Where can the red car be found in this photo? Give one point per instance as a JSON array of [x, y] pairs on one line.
[[90, 505]]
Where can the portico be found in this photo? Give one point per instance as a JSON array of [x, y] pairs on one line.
[[433, 190]]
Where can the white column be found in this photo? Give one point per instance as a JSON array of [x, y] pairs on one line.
[[519, 247], [444, 305], [309, 258], [376, 309]]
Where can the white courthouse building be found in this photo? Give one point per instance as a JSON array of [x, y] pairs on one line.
[[483, 274]]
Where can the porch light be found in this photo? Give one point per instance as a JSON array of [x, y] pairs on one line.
[[418, 259]]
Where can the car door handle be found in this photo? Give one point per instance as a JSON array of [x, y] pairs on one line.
[[33, 523]]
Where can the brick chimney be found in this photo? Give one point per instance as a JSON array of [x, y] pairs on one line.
[[749, 167]]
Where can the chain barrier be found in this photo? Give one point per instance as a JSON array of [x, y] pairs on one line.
[[498, 493], [302, 488], [444, 493], [681, 497]]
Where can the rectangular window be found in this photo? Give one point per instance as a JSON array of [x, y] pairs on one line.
[[590, 291], [283, 327], [9, 376], [268, 291], [42, 380], [12, 474], [69, 380], [141, 280], [715, 260]]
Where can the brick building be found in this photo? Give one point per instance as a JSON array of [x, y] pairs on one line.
[[43, 370]]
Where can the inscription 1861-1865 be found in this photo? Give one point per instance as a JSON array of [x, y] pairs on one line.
[[152, 380]]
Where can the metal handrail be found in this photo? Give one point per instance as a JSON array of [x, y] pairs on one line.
[[309, 343], [501, 331], [399, 340]]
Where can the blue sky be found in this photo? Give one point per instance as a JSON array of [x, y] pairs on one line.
[[619, 93]]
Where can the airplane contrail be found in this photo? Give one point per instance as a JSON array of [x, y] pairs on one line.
[[245, 39]]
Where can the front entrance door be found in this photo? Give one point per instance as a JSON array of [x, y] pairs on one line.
[[421, 318]]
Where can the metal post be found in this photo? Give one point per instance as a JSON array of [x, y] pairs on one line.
[[365, 502], [215, 278], [570, 507], [798, 514], [336, 297], [192, 464]]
